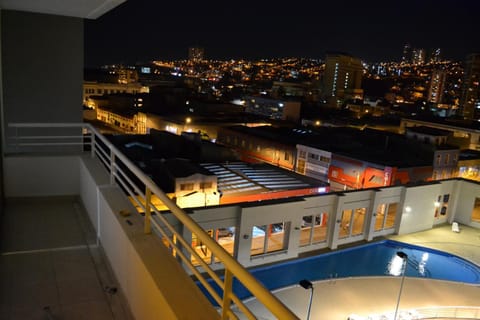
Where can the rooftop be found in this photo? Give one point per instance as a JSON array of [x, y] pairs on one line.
[[451, 122], [375, 146], [239, 178], [429, 131]]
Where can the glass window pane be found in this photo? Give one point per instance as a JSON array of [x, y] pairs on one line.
[[391, 214], [306, 231], [258, 240], [476, 210], [276, 237], [345, 223], [226, 237], [358, 221], [320, 228], [380, 217], [204, 253]]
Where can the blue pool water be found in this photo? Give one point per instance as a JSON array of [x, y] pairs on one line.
[[374, 259]]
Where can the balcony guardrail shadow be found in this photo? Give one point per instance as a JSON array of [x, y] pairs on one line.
[[82, 138]]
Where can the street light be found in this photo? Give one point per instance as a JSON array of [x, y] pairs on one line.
[[307, 285], [404, 258]]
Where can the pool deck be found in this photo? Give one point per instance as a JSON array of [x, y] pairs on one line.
[[339, 298], [465, 244]]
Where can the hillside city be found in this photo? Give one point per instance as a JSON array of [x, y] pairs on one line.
[[402, 122]]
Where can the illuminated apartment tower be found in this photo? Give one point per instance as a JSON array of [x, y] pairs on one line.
[[195, 54], [434, 55], [126, 76], [407, 53], [437, 84], [342, 78], [470, 98], [418, 56]]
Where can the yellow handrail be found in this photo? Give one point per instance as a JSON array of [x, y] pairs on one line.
[[272, 303]]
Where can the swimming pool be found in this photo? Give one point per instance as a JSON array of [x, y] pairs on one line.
[[373, 259]]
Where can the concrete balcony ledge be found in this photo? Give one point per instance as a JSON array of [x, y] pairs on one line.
[[153, 281]]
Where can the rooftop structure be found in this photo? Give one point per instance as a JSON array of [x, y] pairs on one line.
[[463, 133], [196, 172]]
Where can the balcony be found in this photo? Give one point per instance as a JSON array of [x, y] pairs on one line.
[[52, 266], [68, 207]]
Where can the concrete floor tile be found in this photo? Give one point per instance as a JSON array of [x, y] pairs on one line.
[[94, 310], [73, 270], [32, 268], [35, 295], [64, 273], [35, 313], [80, 290]]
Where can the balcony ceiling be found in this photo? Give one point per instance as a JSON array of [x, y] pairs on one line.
[[89, 9]]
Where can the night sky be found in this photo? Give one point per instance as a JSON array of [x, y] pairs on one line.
[[373, 30]]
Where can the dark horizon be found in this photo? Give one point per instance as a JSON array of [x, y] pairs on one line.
[[142, 30]]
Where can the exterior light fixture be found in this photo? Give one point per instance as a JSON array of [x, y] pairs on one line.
[[404, 258], [307, 285]]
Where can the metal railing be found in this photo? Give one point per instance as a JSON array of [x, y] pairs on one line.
[[136, 184]]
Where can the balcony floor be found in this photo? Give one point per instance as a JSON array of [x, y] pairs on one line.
[[51, 266]]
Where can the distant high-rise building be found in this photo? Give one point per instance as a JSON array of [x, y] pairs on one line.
[[437, 85], [418, 56], [470, 98], [407, 53], [196, 54], [343, 77], [126, 76], [434, 55]]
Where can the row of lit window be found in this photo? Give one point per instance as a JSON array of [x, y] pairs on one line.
[[191, 186]]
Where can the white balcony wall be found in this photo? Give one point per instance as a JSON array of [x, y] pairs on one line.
[[153, 282], [448, 187], [42, 68], [35, 176], [466, 193], [92, 177], [419, 208]]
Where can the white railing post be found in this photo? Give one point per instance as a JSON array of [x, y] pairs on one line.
[[16, 139], [112, 167], [92, 144]]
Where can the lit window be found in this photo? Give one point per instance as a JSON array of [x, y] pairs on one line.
[[186, 186], [205, 185]]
